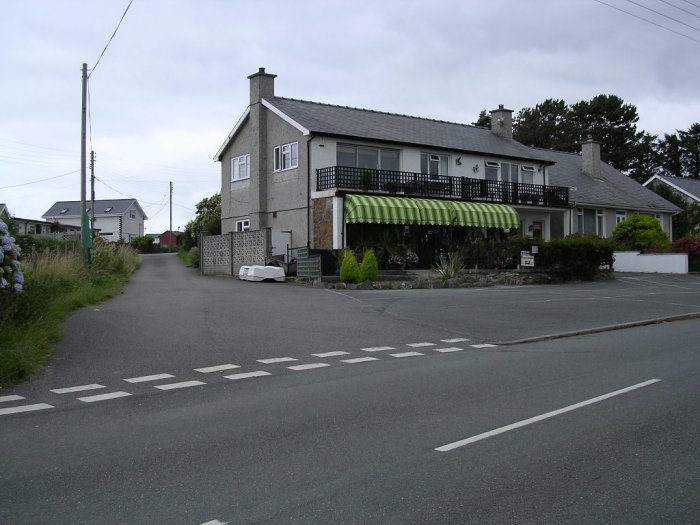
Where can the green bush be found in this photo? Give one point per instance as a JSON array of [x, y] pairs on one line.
[[193, 257], [577, 257], [641, 233], [369, 269], [349, 268]]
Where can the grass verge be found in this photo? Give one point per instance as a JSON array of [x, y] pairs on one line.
[[56, 284]]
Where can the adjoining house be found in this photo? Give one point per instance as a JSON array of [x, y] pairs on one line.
[[685, 187], [39, 228], [169, 239], [4, 211], [117, 220], [328, 176]]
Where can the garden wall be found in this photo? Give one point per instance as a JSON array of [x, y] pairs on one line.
[[651, 263]]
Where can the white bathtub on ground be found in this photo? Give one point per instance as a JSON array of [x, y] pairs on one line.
[[261, 273]]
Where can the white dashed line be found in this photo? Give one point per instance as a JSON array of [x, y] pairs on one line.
[[455, 340], [81, 388], [276, 360], [246, 375], [24, 408], [3, 399], [183, 384], [308, 366], [378, 348], [484, 345], [359, 360], [420, 345], [143, 379], [331, 354], [218, 368], [103, 397], [406, 354], [449, 349]]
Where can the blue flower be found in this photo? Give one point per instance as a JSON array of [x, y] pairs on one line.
[[3, 283], [17, 287], [18, 277], [3, 227]]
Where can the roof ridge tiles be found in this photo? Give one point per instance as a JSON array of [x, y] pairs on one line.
[[381, 112]]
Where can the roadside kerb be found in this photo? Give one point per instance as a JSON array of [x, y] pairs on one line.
[[608, 328]]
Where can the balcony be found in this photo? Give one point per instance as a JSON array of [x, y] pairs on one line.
[[440, 186]]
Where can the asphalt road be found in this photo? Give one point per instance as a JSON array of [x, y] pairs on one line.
[[350, 435]]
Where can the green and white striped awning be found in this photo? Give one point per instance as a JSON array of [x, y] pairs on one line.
[[402, 210]]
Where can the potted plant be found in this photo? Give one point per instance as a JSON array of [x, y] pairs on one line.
[[397, 262]]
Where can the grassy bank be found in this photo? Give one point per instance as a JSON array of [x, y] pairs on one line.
[[56, 282]]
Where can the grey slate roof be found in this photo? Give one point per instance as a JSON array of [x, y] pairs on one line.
[[690, 186], [327, 119], [613, 190], [119, 208], [4, 209]]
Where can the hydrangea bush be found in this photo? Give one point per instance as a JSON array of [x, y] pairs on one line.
[[11, 277]]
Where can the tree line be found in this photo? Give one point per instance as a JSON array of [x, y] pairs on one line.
[[554, 124]]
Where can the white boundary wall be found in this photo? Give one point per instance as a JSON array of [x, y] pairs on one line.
[[651, 263]]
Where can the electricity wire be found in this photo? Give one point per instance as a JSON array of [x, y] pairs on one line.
[[662, 14], [680, 8], [110, 39]]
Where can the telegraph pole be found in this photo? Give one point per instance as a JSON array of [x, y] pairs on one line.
[[83, 215], [92, 193], [170, 231]]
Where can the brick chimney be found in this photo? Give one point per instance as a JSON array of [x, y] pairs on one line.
[[590, 158], [502, 122], [262, 85]]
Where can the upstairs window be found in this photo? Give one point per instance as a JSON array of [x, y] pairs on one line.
[[433, 164], [286, 156], [132, 214], [240, 168], [527, 174], [367, 157]]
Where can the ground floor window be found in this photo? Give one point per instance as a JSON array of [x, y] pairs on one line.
[[243, 225], [590, 222]]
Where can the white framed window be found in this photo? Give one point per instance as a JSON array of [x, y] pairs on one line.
[[620, 215], [367, 157], [286, 156], [240, 168], [527, 174], [132, 214], [433, 164], [243, 225], [590, 222]]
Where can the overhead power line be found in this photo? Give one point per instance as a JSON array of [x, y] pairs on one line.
[[648, 21], [40, 180], [664, 15], [680, 8], [110, 39]]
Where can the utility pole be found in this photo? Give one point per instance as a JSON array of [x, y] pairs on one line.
[[170, 231], [92, 193], [83, 216]]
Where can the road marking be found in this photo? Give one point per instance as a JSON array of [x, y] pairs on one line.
[[183, 384], [143, 379], [331, 354], [215, 522], [378, 348], [359, 360], [246, 375], [218, 368], [406, 354], [455, 340], [536, 419], [449, 349], [420, 345], [276, 360], [484, 345], [10, 398], [308, 366], [24, 408], [103, 397], [80, 388]]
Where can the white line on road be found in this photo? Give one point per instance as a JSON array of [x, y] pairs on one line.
[[215, 522], [308, 366], [406, 354], [420, 345], [455, 340], [449, 349], [3, 399], [276, 360], [183, 384], [80, 388], [378, 348], [218, 368], [484, 345], [24, 408], [536, 419], [103, 397], [331, 354], [143, 379], [359, 360], [246, 375]]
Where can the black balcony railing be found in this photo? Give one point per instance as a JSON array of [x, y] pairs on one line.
[[443, 186]]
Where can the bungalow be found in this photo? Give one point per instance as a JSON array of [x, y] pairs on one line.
[[117, 220], [328, 176], [688, 189]]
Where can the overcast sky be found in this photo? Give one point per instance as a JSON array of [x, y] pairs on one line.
[[172, 83]]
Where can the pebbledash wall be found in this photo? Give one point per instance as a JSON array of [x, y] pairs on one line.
[[225, 254]]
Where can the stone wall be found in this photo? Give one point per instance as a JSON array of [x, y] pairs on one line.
[[323, 224]]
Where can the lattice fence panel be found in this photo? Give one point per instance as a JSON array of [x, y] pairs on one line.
[[249, 248], [215, 254]]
